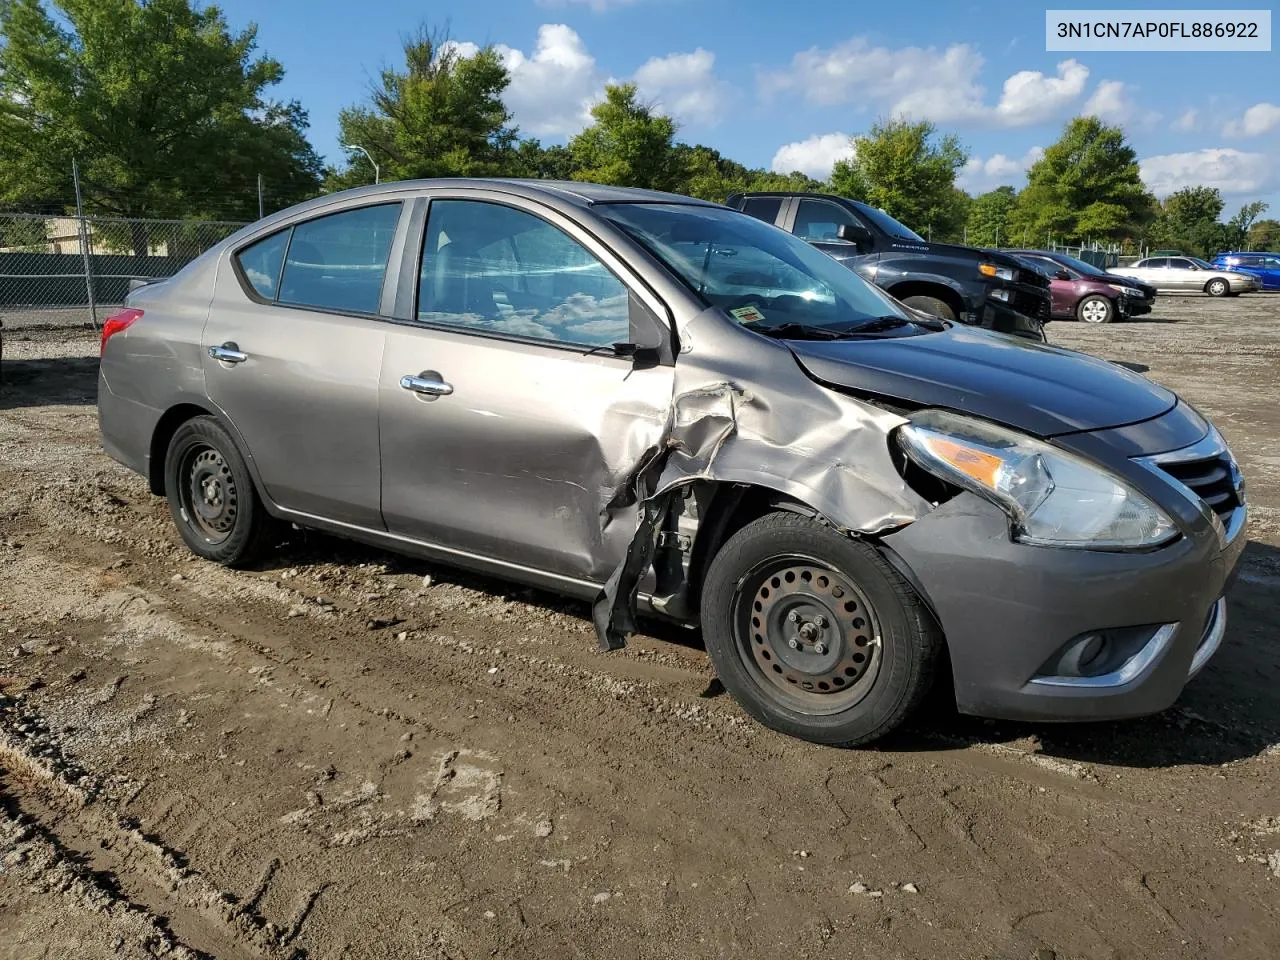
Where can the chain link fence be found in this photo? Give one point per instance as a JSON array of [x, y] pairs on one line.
[[66, 270]]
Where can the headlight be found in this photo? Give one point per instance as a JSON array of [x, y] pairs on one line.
[[1052, 497], [991, 270], [1130, 292]]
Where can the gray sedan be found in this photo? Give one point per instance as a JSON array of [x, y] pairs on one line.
[[664, 406], [1189, 275]]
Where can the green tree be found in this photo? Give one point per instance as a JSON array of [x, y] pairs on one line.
[[1188, 220], [906, 170], [988, 224], [162, 105], [1264, 235], [1239, 226], [442, 115], [532, 159], [1085, 185], [708, 175], [628, 144]]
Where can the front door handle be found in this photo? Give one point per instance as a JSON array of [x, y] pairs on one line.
[[228, 353], [428, 384]]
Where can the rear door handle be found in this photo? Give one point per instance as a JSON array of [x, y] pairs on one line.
[[426, 384], [228, 353]]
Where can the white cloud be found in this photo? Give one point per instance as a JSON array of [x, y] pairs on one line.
[[925, 83], [1257, 120], [551, 91], [814, 156], [1188, 122], [979, 175], [1112, 101], [1231, 171], [685, 87], [463, 48], [553, 88], [1030, 97]]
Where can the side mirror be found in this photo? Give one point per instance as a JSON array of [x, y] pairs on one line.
[[638, 352], [856, 234], [1062, 275]]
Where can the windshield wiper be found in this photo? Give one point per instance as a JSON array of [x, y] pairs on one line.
[[793, 331], [887, 322]]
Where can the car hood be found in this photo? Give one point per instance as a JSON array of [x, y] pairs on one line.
[[1041, 389]]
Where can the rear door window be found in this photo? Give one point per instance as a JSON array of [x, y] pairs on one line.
[[763, 208], [338, 262]]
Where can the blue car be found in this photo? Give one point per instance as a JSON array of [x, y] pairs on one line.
[[1264, 266]]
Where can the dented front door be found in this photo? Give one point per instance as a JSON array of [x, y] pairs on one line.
[[508, 419]]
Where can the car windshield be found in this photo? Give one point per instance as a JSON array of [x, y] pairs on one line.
[[889, 225], [761, 276], [1201, 264]]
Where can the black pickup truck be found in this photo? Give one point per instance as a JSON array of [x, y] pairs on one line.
[[981, 287]]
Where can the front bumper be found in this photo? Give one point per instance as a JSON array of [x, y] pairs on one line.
[[1244, 286], [1007, 609], [1024, 313]]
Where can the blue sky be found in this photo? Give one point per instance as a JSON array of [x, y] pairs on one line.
[[782, 85]]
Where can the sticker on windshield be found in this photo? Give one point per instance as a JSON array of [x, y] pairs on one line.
[[748, 314]]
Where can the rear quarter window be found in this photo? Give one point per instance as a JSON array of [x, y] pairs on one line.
[[260, 263]]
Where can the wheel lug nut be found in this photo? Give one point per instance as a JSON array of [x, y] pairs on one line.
[[820, 622], [793, 617], [819, 648], [793, 643]]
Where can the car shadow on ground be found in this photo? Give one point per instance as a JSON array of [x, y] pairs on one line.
[[50, 382], [1150, 318]]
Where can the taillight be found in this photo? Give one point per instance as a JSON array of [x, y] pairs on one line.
[[117, 322]]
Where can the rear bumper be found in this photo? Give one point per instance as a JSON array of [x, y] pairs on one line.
[[1009, 609], [126, 428]]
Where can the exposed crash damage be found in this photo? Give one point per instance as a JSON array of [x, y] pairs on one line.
[[789, 435]]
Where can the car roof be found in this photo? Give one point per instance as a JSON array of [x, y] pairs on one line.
[[571, 191]]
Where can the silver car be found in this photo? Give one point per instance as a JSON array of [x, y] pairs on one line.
[[665, 406], [1189, 275]]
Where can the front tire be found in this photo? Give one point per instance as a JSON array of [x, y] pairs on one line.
[[1217, 288], [931, 305], [1095, 309], [211, 494], [815, 634]]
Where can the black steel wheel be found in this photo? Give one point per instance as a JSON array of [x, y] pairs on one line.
[[815, 633], [208, 492], [809, 632], [211, 494]]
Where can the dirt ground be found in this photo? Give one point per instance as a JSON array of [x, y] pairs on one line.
[[345, 753]]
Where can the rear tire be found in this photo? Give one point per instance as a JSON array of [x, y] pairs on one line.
[[1095, 309], [211, 494], [1217, 288], [932, 305], [865, 646]]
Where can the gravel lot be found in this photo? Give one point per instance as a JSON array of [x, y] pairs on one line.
[[346, 753]]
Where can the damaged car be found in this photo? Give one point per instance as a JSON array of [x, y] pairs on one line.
[[667, 407]]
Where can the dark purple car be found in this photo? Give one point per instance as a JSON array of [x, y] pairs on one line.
[[1081, 291]]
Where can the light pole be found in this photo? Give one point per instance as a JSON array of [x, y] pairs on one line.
[[356, 146]]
